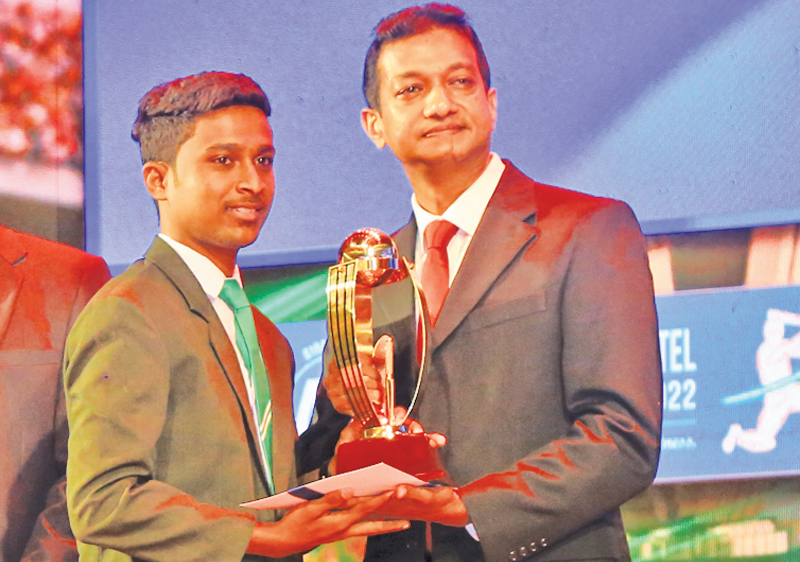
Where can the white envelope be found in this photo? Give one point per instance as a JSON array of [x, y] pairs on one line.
[[368, 481]]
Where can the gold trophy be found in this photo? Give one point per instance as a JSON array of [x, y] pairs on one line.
[[367, 259]]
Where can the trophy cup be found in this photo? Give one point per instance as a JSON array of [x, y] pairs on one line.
[[367, 259]]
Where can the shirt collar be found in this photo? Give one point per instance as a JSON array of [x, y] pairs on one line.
[[208, 275], [466, 211]]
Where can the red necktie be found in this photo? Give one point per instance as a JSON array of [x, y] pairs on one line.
[[435, 269]]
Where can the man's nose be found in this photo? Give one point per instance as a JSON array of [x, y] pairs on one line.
[[439, 103], [249, 177]]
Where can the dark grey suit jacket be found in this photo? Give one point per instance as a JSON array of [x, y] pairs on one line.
[[161, 446], [545, 377]]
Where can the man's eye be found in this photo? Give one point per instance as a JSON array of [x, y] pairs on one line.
[[464, 81], [265, 160], [408, 90], [222, 160]]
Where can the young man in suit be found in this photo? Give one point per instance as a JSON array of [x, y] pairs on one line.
[[43, 287], [545, 373], [179, 393]]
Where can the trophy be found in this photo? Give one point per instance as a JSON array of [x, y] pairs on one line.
[[368, 259]]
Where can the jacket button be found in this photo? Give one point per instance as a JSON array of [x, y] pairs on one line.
[[513, 556], [523, 551]]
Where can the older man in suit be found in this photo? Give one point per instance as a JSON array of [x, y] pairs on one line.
[[43, 287], [545, 372], [179, 393]]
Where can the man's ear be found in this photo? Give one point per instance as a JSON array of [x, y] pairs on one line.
[[155, 179], [373, 126]]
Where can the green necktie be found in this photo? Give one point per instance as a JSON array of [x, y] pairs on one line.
[[247, 342]]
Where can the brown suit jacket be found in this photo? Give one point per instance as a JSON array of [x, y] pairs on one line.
[[43, 287], [545, 376], [161, 449]]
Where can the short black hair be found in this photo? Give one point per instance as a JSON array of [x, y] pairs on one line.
[[413, 21], [168, 111]]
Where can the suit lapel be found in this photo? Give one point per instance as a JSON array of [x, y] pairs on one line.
[[395, 306], [184, 280], [406, 240], [12, 255], [284, 433], [402, 311], [505, 228], [221, 344]]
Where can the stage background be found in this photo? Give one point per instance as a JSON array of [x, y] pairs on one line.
[[689, 111]]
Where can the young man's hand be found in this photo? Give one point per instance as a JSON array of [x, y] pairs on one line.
[[334, 517]]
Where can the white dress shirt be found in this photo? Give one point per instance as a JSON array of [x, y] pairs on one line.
[[465, 212]]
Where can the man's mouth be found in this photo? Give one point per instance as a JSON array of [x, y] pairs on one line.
[[246, 212], [443, 130]]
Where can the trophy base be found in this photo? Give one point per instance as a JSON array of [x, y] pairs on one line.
[[409, 452]]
